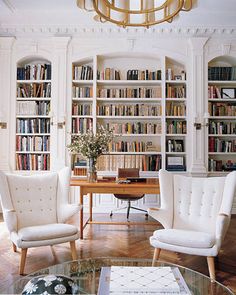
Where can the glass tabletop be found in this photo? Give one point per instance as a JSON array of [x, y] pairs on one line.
[[86, 274]]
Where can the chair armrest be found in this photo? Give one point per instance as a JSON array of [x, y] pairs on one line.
[[222, 224], [162, 216], [223, 214], [10, 219], [67, 210]]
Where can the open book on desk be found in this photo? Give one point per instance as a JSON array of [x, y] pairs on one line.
[[121, 280]]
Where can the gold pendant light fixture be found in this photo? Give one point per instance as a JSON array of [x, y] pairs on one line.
[[135, 13]]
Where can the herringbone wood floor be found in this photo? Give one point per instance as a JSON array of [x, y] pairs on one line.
[[114, 241]]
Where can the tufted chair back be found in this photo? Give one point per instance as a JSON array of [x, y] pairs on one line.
[[32, 198], [197, 202]]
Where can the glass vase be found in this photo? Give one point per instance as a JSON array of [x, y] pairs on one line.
[[92, 171]]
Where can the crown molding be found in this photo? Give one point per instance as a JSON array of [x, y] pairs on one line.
[[114, 31]]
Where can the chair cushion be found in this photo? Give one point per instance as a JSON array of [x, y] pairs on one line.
[[47, 232], [185, 238]]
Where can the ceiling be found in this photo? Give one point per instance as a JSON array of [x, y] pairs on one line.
[[15, 13]]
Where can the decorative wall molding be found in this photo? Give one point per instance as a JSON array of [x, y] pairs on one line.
[[104, 30]]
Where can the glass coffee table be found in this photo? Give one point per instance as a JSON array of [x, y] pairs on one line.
[[86, 274]]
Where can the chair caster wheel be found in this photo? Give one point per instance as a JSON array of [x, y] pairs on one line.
[[146, 216], [111, 214]]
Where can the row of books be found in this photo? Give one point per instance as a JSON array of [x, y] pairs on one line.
[[134, 74], [133, 146], [78, 92], [219, 165], [141, 92], [32, 162], [219, 109], [81, 109], [41, 125], [223, 146], [129, 110], [34, 90], [143, 75], [81, 125], [215, 165], [222, 127], [175, 91], [175, 108], [34, 72], [33, 108], [142, 162], [135, 128], [175, 145], [109, 74], [222, 73], [33, 143], [83, 72], [176, 127], [214, 91]]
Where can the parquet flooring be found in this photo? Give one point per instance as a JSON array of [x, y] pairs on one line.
[[114, 241]]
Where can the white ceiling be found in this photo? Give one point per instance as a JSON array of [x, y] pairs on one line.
[[206, 13]]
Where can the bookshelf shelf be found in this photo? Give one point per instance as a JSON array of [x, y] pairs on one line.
[[33, 98], [130, 117], [138, 135], [222, 153], [32, 81], [33, 122], [32, 152], [130, 99], [222, 135], [83, 82], [129, 82], [123, 88], [32, 116]]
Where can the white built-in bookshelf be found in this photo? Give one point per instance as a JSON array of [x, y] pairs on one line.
[[222, 115], [33, 104], [143, 99]]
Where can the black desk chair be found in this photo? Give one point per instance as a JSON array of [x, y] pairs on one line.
[[125, 173]]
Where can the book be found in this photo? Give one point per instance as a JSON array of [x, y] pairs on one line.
[[141, 280]]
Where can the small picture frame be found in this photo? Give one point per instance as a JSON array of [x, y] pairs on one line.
[[228, 92], [177, 77]]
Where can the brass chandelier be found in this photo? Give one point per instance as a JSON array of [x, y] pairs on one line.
[[135, 13]]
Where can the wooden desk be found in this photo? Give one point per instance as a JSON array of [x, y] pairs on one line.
[[149, 187]]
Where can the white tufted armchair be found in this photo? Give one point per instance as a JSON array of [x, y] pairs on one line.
[[35, 209], [195, 213]]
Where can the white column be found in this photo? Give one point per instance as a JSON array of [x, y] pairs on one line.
[[6, 44], [59, 93], [197, 92]]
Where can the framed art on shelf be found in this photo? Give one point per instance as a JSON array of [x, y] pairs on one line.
[[228, 92]]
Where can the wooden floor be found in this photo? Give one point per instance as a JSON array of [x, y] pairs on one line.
[[114, 241]]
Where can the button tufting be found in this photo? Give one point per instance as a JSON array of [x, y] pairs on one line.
[[16, 188], [40, 189], [41, 209], [29, 201], [27, 189]]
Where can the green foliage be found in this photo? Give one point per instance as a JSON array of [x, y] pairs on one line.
[[92, 145]]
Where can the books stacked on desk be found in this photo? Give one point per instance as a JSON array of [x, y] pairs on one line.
[[118, 280]]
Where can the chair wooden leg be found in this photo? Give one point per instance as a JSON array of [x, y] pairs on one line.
[[22, 260], [73, 250], [14, 247], [156, 255], [211, 267]]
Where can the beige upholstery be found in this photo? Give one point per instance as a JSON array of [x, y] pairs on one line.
[[195, 213], [36, 207]]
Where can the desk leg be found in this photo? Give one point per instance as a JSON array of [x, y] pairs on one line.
[[90, 207], [81, 214]]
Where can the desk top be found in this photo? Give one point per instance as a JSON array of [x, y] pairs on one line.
[[150, 183]]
